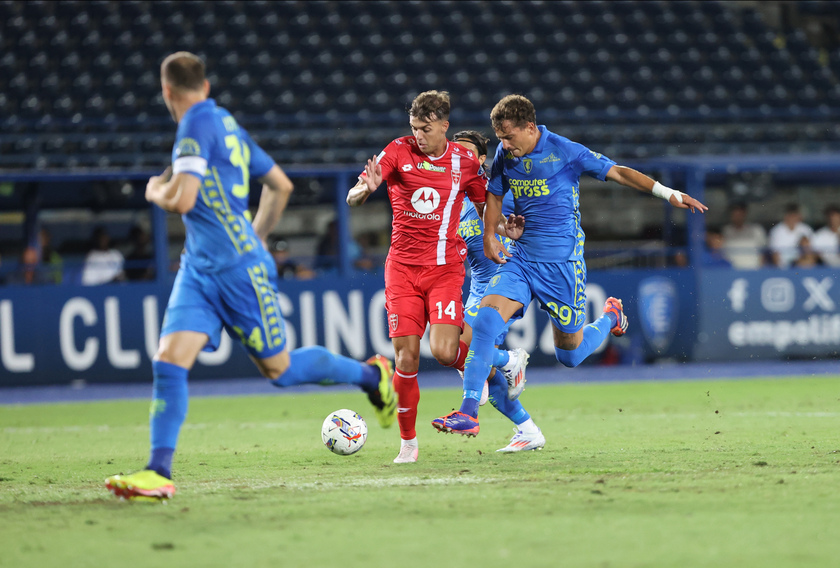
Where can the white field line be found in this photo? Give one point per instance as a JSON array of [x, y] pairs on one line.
[[286, 425], [401, 481]]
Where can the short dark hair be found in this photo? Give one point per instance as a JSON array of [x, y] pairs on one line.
[[736, 205], [792, 208], [474, 137], [430, 106], [515, 108], [183, 71], [829, 209]]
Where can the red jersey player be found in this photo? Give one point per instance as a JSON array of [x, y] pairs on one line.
[[427, 177]]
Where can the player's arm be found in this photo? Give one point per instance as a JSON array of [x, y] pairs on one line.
[[176, 194], [510, 227], [629, 177], [276, 189], [367, 183], [493, 247]]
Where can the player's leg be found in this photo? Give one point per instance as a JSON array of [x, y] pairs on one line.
[[407, 358], [190, 324], [483, 355], [573, 344], [407, 320], [527, 435]]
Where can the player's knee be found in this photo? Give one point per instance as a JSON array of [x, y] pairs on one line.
[[445, 354], [407, 362], [272, 370]]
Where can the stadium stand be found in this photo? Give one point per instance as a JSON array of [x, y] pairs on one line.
[[327, 82]]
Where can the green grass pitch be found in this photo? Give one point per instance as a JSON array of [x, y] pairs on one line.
[[672, 474]]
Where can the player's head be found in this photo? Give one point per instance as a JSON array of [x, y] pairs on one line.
[[515, 122], [832, 216], [182, 78], [793, 216], [429, 120], [474, 141]]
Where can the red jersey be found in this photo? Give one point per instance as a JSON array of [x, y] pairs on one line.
[[426, 194]]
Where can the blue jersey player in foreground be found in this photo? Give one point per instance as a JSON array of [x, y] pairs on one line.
[[542, 170], [227, 277], [528, 436]]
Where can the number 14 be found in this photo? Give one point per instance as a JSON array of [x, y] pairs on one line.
[[450, 310]]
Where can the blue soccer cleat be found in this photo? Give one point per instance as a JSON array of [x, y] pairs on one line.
[[457, 423]]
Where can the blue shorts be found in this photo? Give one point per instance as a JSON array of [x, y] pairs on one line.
[[242, 299], [471, 310], [559, 287]]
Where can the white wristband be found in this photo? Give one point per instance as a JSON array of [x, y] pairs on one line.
[[665, 192]]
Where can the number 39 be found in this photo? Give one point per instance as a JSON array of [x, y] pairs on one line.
[[450, 310]]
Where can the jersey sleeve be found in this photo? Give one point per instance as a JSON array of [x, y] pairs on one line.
[[477, 185], [260, 162], [191, 152], [585, 161], [498, 184], [387, 160]]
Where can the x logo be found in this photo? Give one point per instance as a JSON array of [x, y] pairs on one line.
[[818, 294]]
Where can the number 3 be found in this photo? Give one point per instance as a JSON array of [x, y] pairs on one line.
[[240, 156]]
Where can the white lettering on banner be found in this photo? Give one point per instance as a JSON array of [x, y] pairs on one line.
[[308, 321], [220, 355], [14, 362], [117, 356], [377, 327], [84, 359], [816, 330], [818, 294], [341, 327], [151, 331], [777, 295], [738, 294]]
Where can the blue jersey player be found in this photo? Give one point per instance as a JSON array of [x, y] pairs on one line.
[[227, 277], [542, 170], [528, 436]]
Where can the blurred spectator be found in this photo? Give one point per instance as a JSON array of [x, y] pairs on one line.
[[790, 240], [103, 264], [328, 251], [139, 263], [287, 269], [826, 241], [713, 253], [743, 243], [28, 271]]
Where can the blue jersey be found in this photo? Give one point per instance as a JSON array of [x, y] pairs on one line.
[[213, 147], [546, 190], [470, 229]]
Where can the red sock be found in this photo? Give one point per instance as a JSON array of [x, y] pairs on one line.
[[408, 392], [458, 363]]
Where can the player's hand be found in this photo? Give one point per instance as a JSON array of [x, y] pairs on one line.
[[155, 182], [496, 251], [688, 202], [373, 174], [514, 226]]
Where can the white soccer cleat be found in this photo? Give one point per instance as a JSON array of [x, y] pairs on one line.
[[514, 372], [408, 454], [522, 442], [485, 392]]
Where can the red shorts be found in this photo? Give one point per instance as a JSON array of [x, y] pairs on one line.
[[417, 295]]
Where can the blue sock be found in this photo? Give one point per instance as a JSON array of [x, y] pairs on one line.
[[318, 365], [593, 335], [167, 413], [513, 409], [487, 326]]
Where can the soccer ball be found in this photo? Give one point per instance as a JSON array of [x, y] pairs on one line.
[[344, 432]]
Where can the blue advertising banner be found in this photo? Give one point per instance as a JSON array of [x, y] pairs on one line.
[[769, 314], [60, 334]]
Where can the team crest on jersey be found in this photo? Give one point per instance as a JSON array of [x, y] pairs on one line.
[[494, 281], [426, 165], [529, 165], [392, 321], [407, 167], [425, 200], [187, 147], [456, 177]]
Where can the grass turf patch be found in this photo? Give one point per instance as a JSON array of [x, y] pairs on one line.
[[720, 473]]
